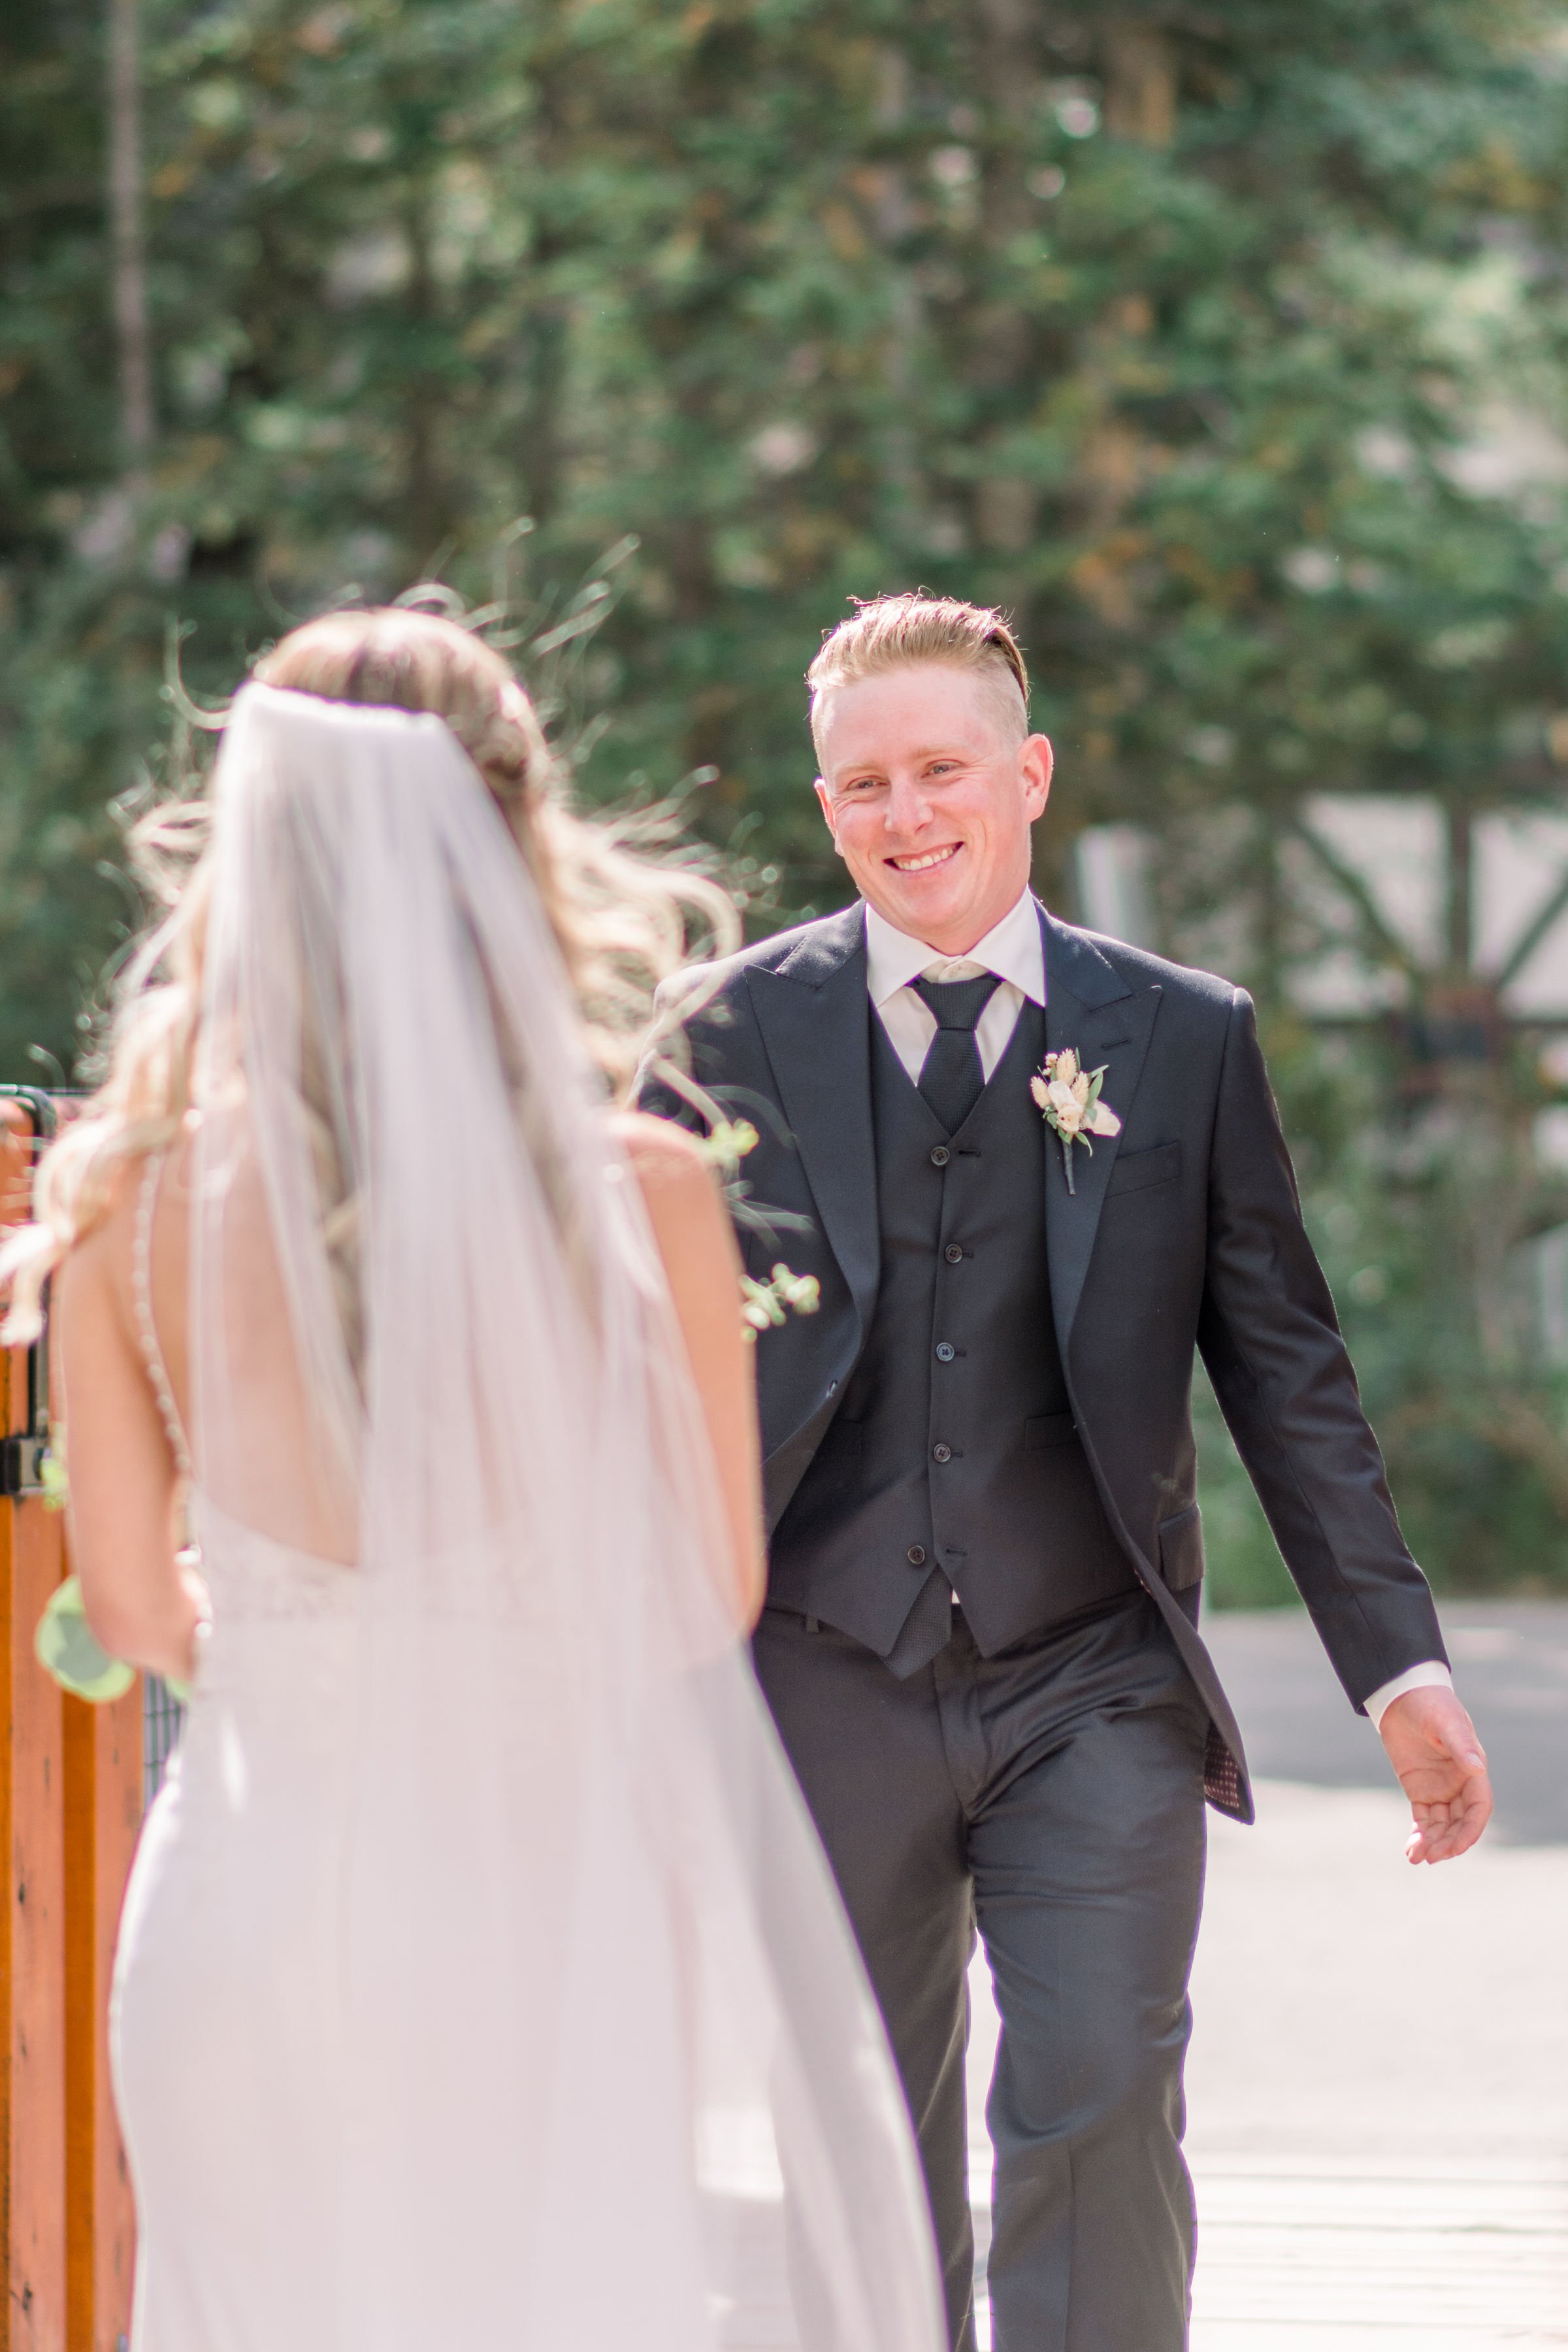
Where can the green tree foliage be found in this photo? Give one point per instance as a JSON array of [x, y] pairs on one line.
[[1190, 334]]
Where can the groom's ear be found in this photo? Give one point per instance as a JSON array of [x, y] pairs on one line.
[[826, 808], [1036, 765]]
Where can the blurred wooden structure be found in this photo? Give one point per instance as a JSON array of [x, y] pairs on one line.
[[71, 1805]]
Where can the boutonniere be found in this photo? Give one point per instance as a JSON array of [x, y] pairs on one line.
[[1070, 1099]]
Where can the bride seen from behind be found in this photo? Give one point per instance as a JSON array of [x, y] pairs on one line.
[[480, 1981], [620, 923]]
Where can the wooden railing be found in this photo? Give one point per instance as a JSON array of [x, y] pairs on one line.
[[70, 1806]]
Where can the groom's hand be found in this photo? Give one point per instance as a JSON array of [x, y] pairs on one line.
[[1442, 1768]]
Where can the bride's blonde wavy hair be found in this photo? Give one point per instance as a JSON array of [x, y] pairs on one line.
[[622, 904]]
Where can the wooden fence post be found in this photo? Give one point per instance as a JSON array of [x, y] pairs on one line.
[[102, 1816], [71, 1807], [32, 1915]]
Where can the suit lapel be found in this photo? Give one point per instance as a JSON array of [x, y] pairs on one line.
[[815, 1016], [1090, 1007]]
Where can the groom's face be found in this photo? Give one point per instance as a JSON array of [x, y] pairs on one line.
[[929, 786]]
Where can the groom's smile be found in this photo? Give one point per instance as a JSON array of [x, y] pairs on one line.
[[929, 784], [927, 859]]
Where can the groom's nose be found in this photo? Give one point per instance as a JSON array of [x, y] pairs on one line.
[[907, 808]]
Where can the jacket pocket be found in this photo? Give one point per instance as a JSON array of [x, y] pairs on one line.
[[1182, 1550], [1049, 1429], [1133, 1171]]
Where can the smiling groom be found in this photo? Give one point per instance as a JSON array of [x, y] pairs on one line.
[[981, 1639]]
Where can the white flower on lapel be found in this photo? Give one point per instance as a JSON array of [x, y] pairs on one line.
[[1070, 1099]]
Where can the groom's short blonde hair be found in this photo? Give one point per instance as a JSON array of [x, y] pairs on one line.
[[896, 632]]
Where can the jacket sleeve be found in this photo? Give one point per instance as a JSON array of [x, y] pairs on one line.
[[1270, 1340]]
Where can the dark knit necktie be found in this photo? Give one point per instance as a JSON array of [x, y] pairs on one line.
[[951, 1078]]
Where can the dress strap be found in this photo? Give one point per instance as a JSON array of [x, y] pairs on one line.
[[146, 1329]]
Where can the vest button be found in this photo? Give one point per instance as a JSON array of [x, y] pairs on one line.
[[945, 1351], [952, 1253], [940, 1157], [941, 1454], [916, 1555]]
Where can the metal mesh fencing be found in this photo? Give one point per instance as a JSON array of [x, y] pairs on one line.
[[162, 1717]]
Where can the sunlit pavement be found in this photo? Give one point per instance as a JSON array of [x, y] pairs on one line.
[[1379, 2077]]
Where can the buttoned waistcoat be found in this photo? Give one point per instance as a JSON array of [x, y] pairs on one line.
[[951, 1463]]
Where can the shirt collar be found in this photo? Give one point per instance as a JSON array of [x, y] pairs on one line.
[[1014, 950]]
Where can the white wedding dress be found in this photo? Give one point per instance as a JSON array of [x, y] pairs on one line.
[[480, 1984]]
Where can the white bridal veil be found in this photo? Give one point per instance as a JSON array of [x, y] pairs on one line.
[[613, 2078]]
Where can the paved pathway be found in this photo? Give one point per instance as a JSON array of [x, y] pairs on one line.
[[1379, 2080]]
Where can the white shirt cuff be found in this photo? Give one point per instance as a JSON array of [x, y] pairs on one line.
[[1430, 1677]]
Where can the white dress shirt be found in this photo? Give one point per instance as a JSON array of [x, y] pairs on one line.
[[1014, 950]]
